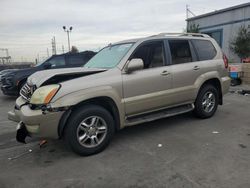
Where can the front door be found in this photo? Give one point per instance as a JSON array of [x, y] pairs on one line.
[[145, 90]]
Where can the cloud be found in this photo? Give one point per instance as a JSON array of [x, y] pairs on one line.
[[28, 26]]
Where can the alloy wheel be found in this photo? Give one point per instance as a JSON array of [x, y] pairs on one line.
[[92, 131]]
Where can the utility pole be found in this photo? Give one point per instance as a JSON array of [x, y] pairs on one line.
[[38, 58], [53, 50], [68, 31], [47, 52], [187, 16], [63, 49], [53, 42], [188, 11], [6, 58]]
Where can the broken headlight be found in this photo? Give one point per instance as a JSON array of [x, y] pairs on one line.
[[44, 94]]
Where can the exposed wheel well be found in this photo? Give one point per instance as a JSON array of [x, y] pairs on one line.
[[104, 102], [215, 82]]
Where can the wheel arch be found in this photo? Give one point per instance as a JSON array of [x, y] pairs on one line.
[[215, 82], [105, 102]]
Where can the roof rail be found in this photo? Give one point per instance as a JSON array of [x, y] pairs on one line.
[[184, 34]]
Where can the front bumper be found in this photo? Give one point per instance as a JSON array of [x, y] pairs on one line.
[[9, 86], [9, 90], [36, 122]]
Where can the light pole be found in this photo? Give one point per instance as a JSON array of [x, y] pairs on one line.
[[68, 31]]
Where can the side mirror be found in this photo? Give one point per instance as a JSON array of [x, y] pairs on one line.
[[47, 65], [134, 64]]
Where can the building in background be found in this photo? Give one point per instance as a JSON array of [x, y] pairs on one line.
[[223, 25]]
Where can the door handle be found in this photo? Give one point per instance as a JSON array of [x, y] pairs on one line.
[[165, 73], [196, 68]]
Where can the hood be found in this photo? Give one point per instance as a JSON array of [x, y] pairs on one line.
[[54, 76], [7, 71], [20, 72]]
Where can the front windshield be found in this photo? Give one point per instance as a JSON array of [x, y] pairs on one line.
[[109, 56]]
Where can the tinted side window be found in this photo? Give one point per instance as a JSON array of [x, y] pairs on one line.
[[75, 60], [180, 51], [57, 62], [205, 49], [152, 54]]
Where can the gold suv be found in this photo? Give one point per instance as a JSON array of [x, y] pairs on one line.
[[126, 83]]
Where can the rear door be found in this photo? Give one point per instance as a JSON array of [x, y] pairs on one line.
[[185, 69], [145, 90], [75, 60]]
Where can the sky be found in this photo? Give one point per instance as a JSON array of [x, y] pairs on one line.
[[27, 26]]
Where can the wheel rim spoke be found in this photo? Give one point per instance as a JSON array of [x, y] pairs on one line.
[[94, 121], [203, 103], [83, 126], [94, 140], [210, 95], [83, 138], [101, 129]]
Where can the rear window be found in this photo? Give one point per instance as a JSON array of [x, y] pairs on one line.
[[205, 49]]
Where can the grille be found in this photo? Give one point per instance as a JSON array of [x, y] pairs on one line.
[[26, 91]]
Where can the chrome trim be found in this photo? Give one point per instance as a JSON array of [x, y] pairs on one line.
[[27, 91]]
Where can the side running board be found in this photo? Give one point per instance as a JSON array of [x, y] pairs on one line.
[[142, 118]]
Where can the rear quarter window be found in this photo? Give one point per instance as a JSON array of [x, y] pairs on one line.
[[205, 49]]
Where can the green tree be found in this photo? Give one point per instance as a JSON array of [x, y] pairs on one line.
[[193, 28], [240, 45]]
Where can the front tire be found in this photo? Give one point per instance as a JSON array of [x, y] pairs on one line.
[[89, 130], [206, 102]]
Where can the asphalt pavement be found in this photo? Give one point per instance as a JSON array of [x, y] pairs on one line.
[[175, 152]]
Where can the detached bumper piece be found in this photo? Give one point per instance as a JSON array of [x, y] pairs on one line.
[[21, 133]]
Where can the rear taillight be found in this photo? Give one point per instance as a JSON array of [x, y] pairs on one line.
[[225, 61]]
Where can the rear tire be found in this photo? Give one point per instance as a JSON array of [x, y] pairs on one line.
[[89, 130], [206, 102]]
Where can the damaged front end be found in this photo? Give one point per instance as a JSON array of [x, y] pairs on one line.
[[40, 122], [34, 109], [21, 131]]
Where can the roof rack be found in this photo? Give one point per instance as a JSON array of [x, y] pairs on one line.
[[184, 34]]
